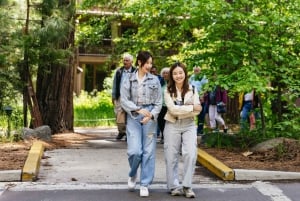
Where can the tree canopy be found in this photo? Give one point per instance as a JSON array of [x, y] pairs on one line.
[[248, 44]]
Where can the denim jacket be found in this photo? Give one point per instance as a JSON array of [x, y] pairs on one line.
[[151, 94]]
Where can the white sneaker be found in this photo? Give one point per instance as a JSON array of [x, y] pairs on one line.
[[131, 183], [188, 192], [144, 191]]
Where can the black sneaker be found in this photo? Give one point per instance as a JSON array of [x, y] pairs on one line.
[[120, 136]]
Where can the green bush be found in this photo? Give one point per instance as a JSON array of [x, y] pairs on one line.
[[93, 109]]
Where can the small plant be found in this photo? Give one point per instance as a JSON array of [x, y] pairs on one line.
[[280, 151]]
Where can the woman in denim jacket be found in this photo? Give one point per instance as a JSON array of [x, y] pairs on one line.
[[142, 100], [182, 101]]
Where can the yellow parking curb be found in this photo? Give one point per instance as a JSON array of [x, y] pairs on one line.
[[215, 166], [32, 163]]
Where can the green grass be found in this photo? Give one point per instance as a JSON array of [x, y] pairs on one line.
[[93, 109]]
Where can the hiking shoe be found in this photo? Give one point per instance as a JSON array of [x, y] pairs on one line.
[[176, 191], [188, 192], [144, 191], [131, 183], [120, 136]]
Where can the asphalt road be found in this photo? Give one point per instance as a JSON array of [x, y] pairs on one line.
[[262, 191]]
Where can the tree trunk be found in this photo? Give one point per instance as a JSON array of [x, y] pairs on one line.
[[55, 96], [55, 89]]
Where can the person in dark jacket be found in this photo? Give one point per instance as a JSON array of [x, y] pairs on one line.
[[118, 78], [212, 98]]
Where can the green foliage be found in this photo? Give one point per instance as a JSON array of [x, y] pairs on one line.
[[93, 109], [9, 78], [247, 44], [243, 140], [16, 123], [92, 31]]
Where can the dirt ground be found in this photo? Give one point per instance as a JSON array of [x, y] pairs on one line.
[[13, 155]]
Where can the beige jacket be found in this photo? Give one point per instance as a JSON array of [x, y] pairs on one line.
[[175, 112]]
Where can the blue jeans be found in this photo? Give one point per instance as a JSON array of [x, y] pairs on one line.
[[247, 107], [141, 145]]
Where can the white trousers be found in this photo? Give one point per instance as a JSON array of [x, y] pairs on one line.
[[180, 137], [214, 116]]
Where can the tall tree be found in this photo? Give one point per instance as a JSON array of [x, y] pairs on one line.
[[56, 64], [9, 53]]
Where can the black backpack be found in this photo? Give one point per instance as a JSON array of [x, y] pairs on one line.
[[212, 97]]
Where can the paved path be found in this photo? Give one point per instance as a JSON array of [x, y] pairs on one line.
[[103, 160]]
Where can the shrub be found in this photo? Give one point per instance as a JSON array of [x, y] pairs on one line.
[[93, 109]]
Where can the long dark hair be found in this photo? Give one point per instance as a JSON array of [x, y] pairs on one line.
[[143, 57], [171, 84]]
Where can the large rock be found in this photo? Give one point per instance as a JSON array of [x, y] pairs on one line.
[[42, 133], [269, 144]]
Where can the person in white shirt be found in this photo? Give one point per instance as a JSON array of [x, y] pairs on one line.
[[182, 101], [141, 98]]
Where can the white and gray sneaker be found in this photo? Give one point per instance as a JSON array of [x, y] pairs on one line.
[[144, 191], [188, 192], [132, 183], [176, 191]]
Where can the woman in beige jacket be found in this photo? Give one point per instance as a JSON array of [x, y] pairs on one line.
[[183, 105]]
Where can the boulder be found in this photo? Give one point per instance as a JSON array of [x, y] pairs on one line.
[[42, 133], [269, 144]]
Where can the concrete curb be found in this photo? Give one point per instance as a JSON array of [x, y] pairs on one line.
[[10, 175], [32, 164], [227, 174], [254, 175]]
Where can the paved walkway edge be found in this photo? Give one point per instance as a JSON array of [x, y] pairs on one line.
[[10, 175], [215, 166], [253, 175], [32, 163]]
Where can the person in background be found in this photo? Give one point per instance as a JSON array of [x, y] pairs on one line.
[[160, 120], [141, 98], [248, 102], [212, 98], [162, 82], [198, 80], [160, 78], [119, 76], [182, 101]]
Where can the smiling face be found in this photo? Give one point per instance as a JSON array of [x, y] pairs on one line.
[[178, 75]]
